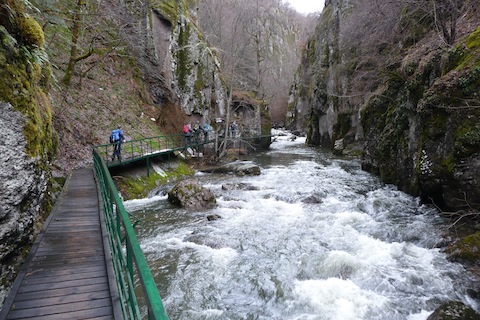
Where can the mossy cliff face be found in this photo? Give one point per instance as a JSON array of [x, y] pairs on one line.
[[318, 103], [410, 101], [422, 131], [195, 67], [28, 142]]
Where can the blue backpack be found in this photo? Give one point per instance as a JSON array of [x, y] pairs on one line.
[[115, 136]]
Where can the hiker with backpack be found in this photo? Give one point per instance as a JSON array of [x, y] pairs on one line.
[[117, 138], [187, 133], [234, 129], [206, 129], [196, 132]]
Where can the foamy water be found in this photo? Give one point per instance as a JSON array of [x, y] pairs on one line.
[[319, 239]]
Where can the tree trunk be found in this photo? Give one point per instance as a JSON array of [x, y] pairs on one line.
[[76, 28]]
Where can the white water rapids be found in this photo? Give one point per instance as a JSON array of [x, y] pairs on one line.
[[361, 250]]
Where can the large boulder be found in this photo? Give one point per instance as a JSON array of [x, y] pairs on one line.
[[240, 168], [466, 250], [23, 187], [454, 310], [191, 195]]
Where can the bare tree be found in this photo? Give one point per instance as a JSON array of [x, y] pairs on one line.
[[77, 21], [446, 13], [439, 15], [91, 29], [258, 41]]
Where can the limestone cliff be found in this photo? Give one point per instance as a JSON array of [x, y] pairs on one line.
[[28, 141], [191, 69], [197, 78], [398, 90], [182, 68]]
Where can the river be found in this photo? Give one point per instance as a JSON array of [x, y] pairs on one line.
[[316, 239]]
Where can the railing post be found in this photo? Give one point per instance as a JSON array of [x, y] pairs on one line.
[[148, 166]]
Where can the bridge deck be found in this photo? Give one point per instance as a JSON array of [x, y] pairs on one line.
[[66, 272]]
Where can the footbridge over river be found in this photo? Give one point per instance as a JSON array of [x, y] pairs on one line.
[[86, 262]]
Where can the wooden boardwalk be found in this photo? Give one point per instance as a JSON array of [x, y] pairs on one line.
[[66, 274]]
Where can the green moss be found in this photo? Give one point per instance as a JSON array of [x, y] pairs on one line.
[[470, 82], [448, 164], [467, 139], [467, 53], [28, 71], [452, 59], [168, 9], [311, 51], [473, 40], [343, 125], [137, 188], [466, 250], [199, 84], [434, 124], [30, 31], [184, 64]]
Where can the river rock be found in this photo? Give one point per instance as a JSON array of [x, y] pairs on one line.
[[205, 240], [213, 217], [239, 186], [313, 199], [466, 250], [454, 310], [191, 195], [338, 147], [240, 168]]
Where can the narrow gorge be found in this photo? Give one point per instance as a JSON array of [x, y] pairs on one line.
[[391, 88]]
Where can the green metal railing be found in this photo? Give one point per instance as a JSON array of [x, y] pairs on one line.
[[129, 262], [135, 150], [128, 259]]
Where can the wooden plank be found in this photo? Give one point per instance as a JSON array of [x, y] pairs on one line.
[[71, 229], [61, 292], [66, 308], [85, 260], [62, 285], [84, 314], [67, 271], [104, 318], [70, 220], [95, 245], [52, 239], [74, 250], [52, 301], [78, 276]]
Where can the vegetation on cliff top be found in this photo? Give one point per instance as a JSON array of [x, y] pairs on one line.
[[25, 64], [92, 104]]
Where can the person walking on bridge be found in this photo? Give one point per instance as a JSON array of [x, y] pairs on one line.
[[117, 138], [234, 129]]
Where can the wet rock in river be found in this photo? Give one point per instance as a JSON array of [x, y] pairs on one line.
[[213, 217], [191, 195], [454, 310], [240, 168], [239, 186]]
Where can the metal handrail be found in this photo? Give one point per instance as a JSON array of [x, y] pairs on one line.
[[146, 147], [128, 259]]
